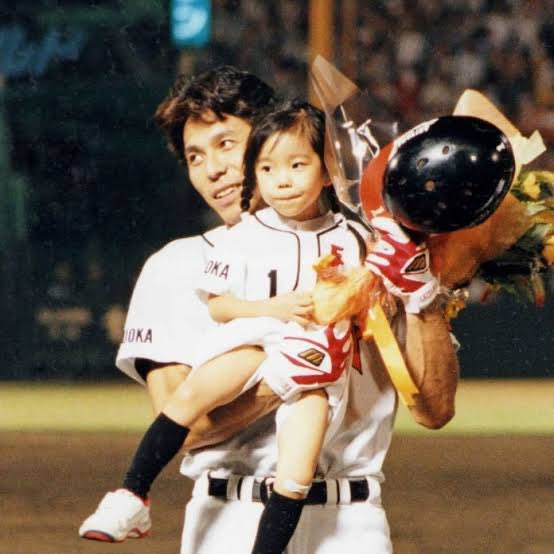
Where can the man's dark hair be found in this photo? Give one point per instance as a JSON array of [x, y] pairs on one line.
[[224, 90], [291, 115]]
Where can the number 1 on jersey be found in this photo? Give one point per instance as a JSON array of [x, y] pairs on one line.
[[272, 283]]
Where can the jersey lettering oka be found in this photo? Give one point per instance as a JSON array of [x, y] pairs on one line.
[[166, 316]]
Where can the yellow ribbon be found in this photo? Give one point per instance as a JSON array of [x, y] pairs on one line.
[[378, 327], [339, 295]]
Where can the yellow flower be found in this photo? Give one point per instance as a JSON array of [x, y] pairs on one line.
[[545, 176], [454, 306], [530, 186]]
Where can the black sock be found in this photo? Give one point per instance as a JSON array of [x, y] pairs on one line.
[[277, 524], [161, 442]]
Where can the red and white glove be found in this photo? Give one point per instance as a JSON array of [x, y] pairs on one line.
[[403, 265], [306, 359]]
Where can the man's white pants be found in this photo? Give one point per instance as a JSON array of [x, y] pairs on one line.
[[213, 525]]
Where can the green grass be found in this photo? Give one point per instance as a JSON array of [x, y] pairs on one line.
[[489, 407], [71, 407], [492, 407]]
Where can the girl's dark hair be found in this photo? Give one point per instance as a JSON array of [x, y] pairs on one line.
[[224, 90], [286, 116]]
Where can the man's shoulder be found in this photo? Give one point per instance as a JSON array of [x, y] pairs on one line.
[[214, 236], [231, 237], [185, 248], [174, 254]]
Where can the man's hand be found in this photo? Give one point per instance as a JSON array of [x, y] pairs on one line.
[[403, 265], [294, 306], [221, 423], [228, 420]]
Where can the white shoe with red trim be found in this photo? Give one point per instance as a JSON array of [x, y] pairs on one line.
[[119, 516]]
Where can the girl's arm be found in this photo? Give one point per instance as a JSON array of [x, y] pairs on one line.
[[294, 306]]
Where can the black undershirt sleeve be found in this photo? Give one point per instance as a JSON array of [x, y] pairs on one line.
[[145, 366]]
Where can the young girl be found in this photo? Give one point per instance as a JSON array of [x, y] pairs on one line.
[[257, 286]]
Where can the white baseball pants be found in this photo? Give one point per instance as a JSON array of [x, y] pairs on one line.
[[213, 525]]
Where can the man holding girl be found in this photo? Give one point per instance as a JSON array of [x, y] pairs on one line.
[[208, 122]]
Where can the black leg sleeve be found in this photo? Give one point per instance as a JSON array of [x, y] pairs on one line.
[[277, 524], [159, 445]]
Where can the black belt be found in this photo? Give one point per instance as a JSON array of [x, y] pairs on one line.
[[359, 490]]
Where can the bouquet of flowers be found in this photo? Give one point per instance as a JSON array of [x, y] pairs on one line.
[[520, 268], [509, 249]]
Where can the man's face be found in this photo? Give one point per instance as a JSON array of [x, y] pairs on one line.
[[214, 151]]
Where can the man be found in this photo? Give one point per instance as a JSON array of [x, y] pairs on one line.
[[207, 121], [164, 295]]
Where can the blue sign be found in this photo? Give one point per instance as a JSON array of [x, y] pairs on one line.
[[191, 22]]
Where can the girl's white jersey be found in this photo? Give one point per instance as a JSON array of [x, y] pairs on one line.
[[165, 303], [267, 255]]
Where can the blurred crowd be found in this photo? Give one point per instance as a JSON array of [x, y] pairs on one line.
[[80, 303], [79, 318], [415, 57]]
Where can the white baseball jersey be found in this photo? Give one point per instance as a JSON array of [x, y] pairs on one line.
[[164, 310], [364, 435], [267, 255], [358, 448], [166, 316]]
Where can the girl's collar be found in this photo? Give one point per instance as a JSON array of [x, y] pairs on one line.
[[270, 217]]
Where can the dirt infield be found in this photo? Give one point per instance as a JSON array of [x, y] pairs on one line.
[[443, 494]]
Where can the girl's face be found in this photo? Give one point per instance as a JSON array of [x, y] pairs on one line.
[[290, 175]]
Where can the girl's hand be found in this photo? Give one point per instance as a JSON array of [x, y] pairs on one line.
[[294, 306]]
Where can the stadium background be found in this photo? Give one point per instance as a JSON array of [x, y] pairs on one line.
[[88, 191]]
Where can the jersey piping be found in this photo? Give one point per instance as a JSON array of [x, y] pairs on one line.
[[206, 240], [361, 241], [321, 233]]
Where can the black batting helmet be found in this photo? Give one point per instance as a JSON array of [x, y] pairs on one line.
[[447, 174]]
